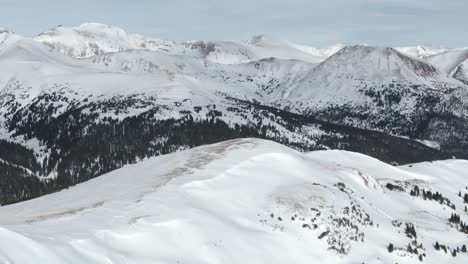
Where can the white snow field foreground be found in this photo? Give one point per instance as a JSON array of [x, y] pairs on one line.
[[246, 201]]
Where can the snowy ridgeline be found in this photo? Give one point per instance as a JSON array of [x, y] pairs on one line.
[[248, 201]]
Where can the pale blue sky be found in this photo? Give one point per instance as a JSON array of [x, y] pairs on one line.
[[313, 22]]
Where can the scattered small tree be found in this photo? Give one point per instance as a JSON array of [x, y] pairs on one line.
[[390, 248], [444, 248]]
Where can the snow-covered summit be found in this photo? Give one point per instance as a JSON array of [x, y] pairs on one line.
[[257, 48], [263, 40], [270, 41], [284, 49], [4, 30], [91, 39], [353, 68], [4, 34], [269, 202], [421, 51]]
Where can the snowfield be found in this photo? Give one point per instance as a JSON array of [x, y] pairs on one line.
[[246, 201]]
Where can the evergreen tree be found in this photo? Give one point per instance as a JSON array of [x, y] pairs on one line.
[[410, 231], [454, 218], [390, 247]]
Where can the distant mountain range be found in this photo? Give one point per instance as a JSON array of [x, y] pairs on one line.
[[76, 103]]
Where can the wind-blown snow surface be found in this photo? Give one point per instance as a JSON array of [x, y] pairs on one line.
[[242, 201], [450, 60], [453, 62]]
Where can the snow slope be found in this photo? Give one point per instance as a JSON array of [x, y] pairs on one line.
[[450, 60], [421, 51], [243, 201], [461, 72]]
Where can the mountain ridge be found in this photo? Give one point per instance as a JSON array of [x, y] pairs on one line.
[[346, 206]]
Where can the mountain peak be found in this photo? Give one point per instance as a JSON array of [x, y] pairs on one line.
[[420, 51], [379, 60], [263, 39], [4, 30], [354, 69], [365, 49], [86, 28], [4, 33], [99, 27], [256, 39], [358, 53], [90, 39], [94, 25]]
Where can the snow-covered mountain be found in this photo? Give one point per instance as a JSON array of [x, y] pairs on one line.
[[248, 201], [421, 51], [461, 72], [95, 105], [259, 47], [453, 62], [353, 68], [64, 91], [377, 88], [92, 39], [450, 60], [4, 34]]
